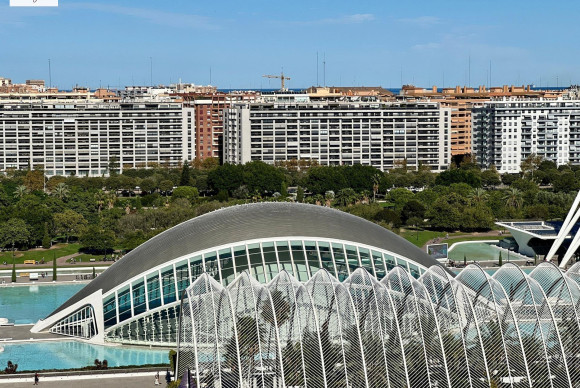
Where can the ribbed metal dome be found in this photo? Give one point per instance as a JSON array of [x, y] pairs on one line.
[[248, 222]]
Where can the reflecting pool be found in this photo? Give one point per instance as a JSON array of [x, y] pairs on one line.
[[73, 354], [27, 304]]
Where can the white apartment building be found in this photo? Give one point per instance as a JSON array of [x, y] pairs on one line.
[[339, 131], [505, 133], [81, 137]]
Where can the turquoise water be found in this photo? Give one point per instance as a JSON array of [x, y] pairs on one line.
[[28, 304], [73, 354], [476, 251]]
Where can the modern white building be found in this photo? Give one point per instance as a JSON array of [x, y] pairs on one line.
[[81, 137], [505, 133], [338, 131]]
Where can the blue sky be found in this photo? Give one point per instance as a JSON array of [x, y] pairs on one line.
[[364, 42]]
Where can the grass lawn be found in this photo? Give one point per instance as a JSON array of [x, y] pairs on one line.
[[424, 236], [452, 241], [58, 251], [85, 258]]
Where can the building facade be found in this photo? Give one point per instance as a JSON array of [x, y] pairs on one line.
[[209, 110], [461, 101], [137, 300], [341, 131], [506, 132], [82, 137]]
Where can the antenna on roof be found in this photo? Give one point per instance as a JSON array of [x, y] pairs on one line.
[[324, 70], [49, 74]]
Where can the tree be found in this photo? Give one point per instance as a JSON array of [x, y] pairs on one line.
[[34, 180], [478, 197], [20, 191], [61, 191], [95, 238], [13, 232], [187, 192], [400, 197], [490, 178], [100, 198], [226, 177], [148, 185], [345, 197], [413, 209], [113, 166], [566, 182], [262, 177], [320, 179], [300, 194], [530, 164], [376, 184], [284, 190], [241, 192], [54, 274], [46, 240], [185, 179], [69, 223], [166, 186], [513, 198], [471, 177]]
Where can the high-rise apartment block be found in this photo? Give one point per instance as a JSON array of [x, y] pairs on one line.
[[341, 131], [209, 110], [506, 132], [83, 136], [461, 100]]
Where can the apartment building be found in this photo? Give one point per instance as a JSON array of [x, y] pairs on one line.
[[81, 136], [208, 122], [506, 132], [341, 131], [461, 101]]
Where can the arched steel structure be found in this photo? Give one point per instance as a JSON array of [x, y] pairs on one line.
[[511, 329]]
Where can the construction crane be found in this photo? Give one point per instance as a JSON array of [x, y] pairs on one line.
[[282, 79]]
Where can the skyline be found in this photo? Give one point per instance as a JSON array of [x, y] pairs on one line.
[[112, 44]]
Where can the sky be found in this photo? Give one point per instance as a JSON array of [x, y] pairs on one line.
[[233, 43]]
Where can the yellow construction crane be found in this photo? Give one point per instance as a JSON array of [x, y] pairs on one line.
[[282, 78]]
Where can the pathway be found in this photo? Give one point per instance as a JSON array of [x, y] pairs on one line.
[[22, 333], [441, 240], [121, 380]]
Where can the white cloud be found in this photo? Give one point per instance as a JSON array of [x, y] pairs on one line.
[[151, 15], [421, 21], [357, 18], [427, 46]]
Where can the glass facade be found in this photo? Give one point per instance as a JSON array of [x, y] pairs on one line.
[[160, 289]]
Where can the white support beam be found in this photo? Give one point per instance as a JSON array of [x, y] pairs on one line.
[[569, 222]]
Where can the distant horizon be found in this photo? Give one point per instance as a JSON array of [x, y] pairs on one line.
[[233, 45]]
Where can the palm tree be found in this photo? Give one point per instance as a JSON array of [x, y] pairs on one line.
[[364, 196], [20, 191], [346, 197], [61, 191], [111, 199], [376, 184], [329, 197], [100, 198], [478, 196], [513, 198]]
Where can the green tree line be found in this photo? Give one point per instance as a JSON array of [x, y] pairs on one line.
[[124, 210]]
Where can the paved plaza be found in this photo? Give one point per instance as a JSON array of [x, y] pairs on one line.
[[120, 380]]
